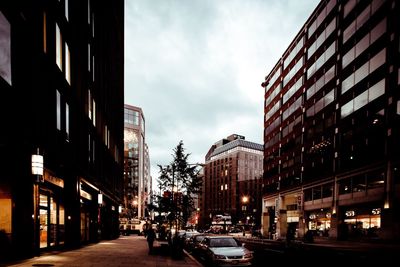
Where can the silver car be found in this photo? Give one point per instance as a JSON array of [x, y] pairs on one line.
[[224, 251]]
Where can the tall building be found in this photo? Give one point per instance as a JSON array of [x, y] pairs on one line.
[[61, 111], [136, 164], [332, 111], [233, 181]]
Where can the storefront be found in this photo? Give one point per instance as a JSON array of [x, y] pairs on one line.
[[51, 211], [361, 221], [319, 221]]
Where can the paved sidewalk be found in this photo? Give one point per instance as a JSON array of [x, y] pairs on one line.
[[122, 252]]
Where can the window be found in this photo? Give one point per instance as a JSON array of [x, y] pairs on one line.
[[58, 109], [363, 99], [94, 112], [44, 32], [5, 49], [58, 47], [89, 105], [67, 64], [366, 69], [88, 11], [66, 10], [89, 57], [349, 7], [67, 119]]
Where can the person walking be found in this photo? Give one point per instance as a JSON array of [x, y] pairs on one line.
[[151, 236]]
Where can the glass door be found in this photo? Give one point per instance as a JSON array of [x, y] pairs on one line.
[[43, 220]]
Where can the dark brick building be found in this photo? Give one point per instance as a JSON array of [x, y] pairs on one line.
[[332, 113], [233, 181]]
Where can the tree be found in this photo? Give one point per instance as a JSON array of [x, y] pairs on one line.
[[181, 179]]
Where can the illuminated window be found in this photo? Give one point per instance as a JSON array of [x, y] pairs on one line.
[[58, 47], [44, 32], [66, 10], [67, 64], [58, 109], [89, 105], [67, 119]]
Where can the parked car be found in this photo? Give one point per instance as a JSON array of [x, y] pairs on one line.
[[193, 243], [222, 250]]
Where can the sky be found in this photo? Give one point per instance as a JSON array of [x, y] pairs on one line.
[[195, 67]]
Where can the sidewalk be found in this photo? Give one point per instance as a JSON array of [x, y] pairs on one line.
[[124, 251]]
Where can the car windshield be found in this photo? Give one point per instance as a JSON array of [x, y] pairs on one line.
[[223, 242]]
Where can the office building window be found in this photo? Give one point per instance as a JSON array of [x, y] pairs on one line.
[[324, 79], [89, 56], [94, 112], [5, 49], [349, 7], [92, 68], [364, 43], [88, 11], [44, 32], [67, 119], [58, 47], [67, 64], [58, 110], [363, 99], [66, 10], [366, 69]]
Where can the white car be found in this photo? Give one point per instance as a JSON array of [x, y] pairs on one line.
[[223, 250]]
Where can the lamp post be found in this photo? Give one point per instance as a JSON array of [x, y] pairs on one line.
[[37, 172]]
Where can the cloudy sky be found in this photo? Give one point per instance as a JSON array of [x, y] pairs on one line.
[[195, 67]]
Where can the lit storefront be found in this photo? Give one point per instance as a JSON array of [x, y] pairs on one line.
[[51, 211], [362, 221], [319, 221]]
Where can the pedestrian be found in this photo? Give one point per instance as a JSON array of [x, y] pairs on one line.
[[151, 236]]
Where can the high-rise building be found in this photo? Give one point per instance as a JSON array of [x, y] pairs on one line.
[[137, 164], [232, 184], [61, 116], [332, 125]]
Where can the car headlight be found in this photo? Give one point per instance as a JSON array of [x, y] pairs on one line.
[[219, 257]]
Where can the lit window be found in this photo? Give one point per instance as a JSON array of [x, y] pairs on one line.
[[94, 112], [89, 105], [67, 64], [58, 47], [44, 32], [67, 119], [58, 111], [66, 10]]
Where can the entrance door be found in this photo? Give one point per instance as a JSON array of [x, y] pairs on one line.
[[43, 220]]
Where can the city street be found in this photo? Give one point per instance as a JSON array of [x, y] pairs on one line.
[[125, 251]]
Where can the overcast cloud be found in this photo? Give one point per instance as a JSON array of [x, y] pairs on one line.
[[196, 67]]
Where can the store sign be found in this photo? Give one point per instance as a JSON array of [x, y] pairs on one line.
[[350, 213]]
